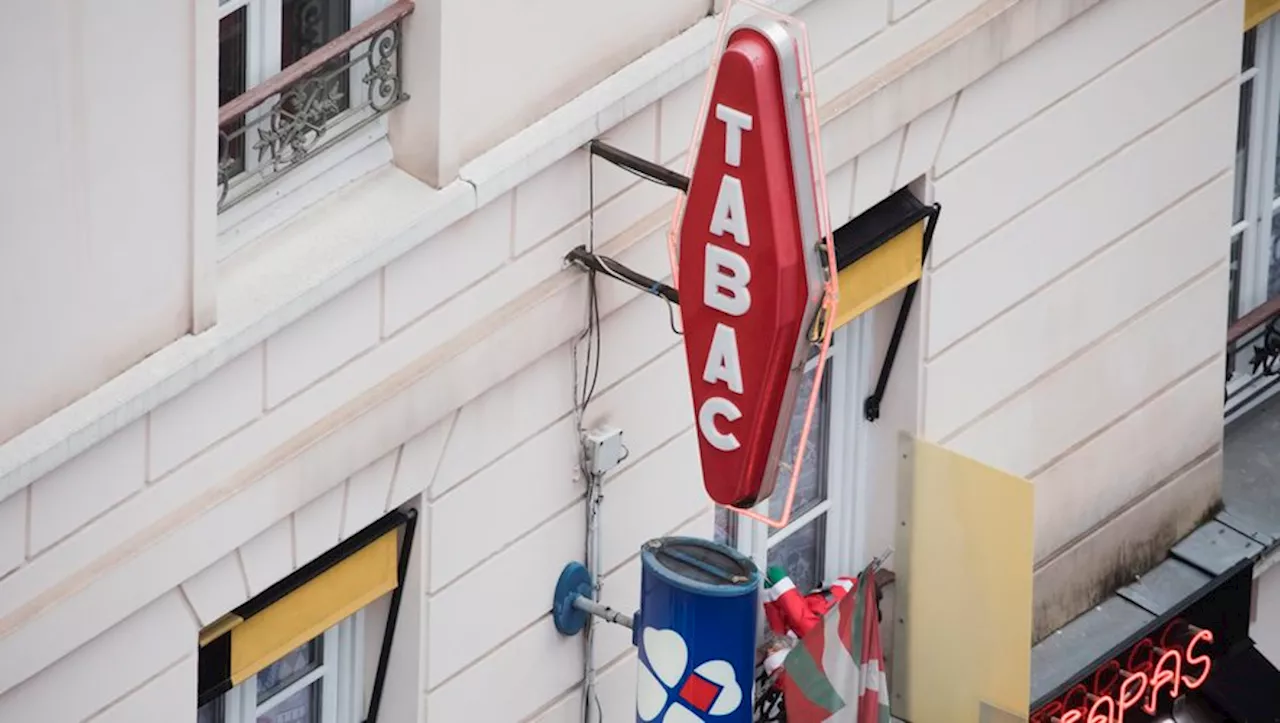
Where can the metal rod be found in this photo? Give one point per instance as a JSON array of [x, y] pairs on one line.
[[604, 612], [645, 169], [871, 407], [393, 612], [607, 266]]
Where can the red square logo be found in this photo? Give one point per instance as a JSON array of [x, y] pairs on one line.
[[699, 692]]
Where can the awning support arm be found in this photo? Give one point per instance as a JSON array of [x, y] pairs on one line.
[[393, 612], [871, 407]]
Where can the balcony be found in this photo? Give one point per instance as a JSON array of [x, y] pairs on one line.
[[1251, 450], [310, 106], [1253, 360]]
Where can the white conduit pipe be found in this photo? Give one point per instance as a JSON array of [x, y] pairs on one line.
[[591, 703]]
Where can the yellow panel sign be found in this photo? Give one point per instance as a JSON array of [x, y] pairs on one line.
[[1256, 11], [880, 274], [962, 641]]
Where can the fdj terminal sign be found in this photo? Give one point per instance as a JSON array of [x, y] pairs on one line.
[[749, 276]]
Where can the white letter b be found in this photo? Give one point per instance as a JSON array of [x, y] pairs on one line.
[[726, 292]]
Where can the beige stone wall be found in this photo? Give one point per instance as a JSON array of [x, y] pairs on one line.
[[1067, 331]]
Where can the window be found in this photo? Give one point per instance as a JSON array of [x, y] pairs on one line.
[[296, 77], [320, 681], [1255, 231], [819, 542]]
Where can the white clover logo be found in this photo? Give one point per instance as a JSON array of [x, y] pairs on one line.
[[663, 689]]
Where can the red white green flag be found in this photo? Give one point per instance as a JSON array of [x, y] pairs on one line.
[[786, 610], [836, 673]]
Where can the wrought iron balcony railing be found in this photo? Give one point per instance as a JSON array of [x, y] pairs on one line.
[[1253, 358], [311, 105]]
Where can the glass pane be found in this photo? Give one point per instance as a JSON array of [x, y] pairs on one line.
[[803, 554], [285, 671], [1248, 49], [232, 78], [1273, 272], [1274, 191], [1242, 148], [211, 712], [1233, 299], [232, 45], [305, 26], [301, 707], [811, 487]]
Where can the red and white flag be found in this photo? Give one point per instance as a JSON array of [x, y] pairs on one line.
[[836, 673]]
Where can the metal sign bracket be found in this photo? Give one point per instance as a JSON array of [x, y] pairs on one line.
[[573, 604], [649, 171]]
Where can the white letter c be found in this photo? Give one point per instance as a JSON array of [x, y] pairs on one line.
[[718, 407]]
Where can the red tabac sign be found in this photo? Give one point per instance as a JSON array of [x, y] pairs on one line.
[[749, 279]]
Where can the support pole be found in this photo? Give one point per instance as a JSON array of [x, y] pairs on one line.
[[648, 170], [604, 612], [590, 261]]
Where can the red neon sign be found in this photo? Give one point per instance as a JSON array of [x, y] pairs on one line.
[[1153, 672], [748, 273]]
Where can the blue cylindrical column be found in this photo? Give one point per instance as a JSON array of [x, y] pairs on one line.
[[696, 631]]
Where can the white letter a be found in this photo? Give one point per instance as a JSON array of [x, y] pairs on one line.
[[723, 363], [730, 213]]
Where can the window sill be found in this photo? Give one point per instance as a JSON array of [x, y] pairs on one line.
[[283, 200], [352, 234]]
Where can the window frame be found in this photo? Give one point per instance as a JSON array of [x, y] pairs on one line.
[[844, 547], [1250, 259], [344, 160], [1261, 192], [341, 669]]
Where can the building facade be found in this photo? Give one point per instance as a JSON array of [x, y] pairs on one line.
[[329, 302]]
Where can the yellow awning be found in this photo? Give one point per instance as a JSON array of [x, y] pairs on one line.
[[300, 607], [313, 608], [1256, 11], [880, 253], [880, 274]]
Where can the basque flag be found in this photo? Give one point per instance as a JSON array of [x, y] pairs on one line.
[[836, 673]]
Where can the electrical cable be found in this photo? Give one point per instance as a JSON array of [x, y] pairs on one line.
[[605, 263], [584, 388], [586, 376]]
